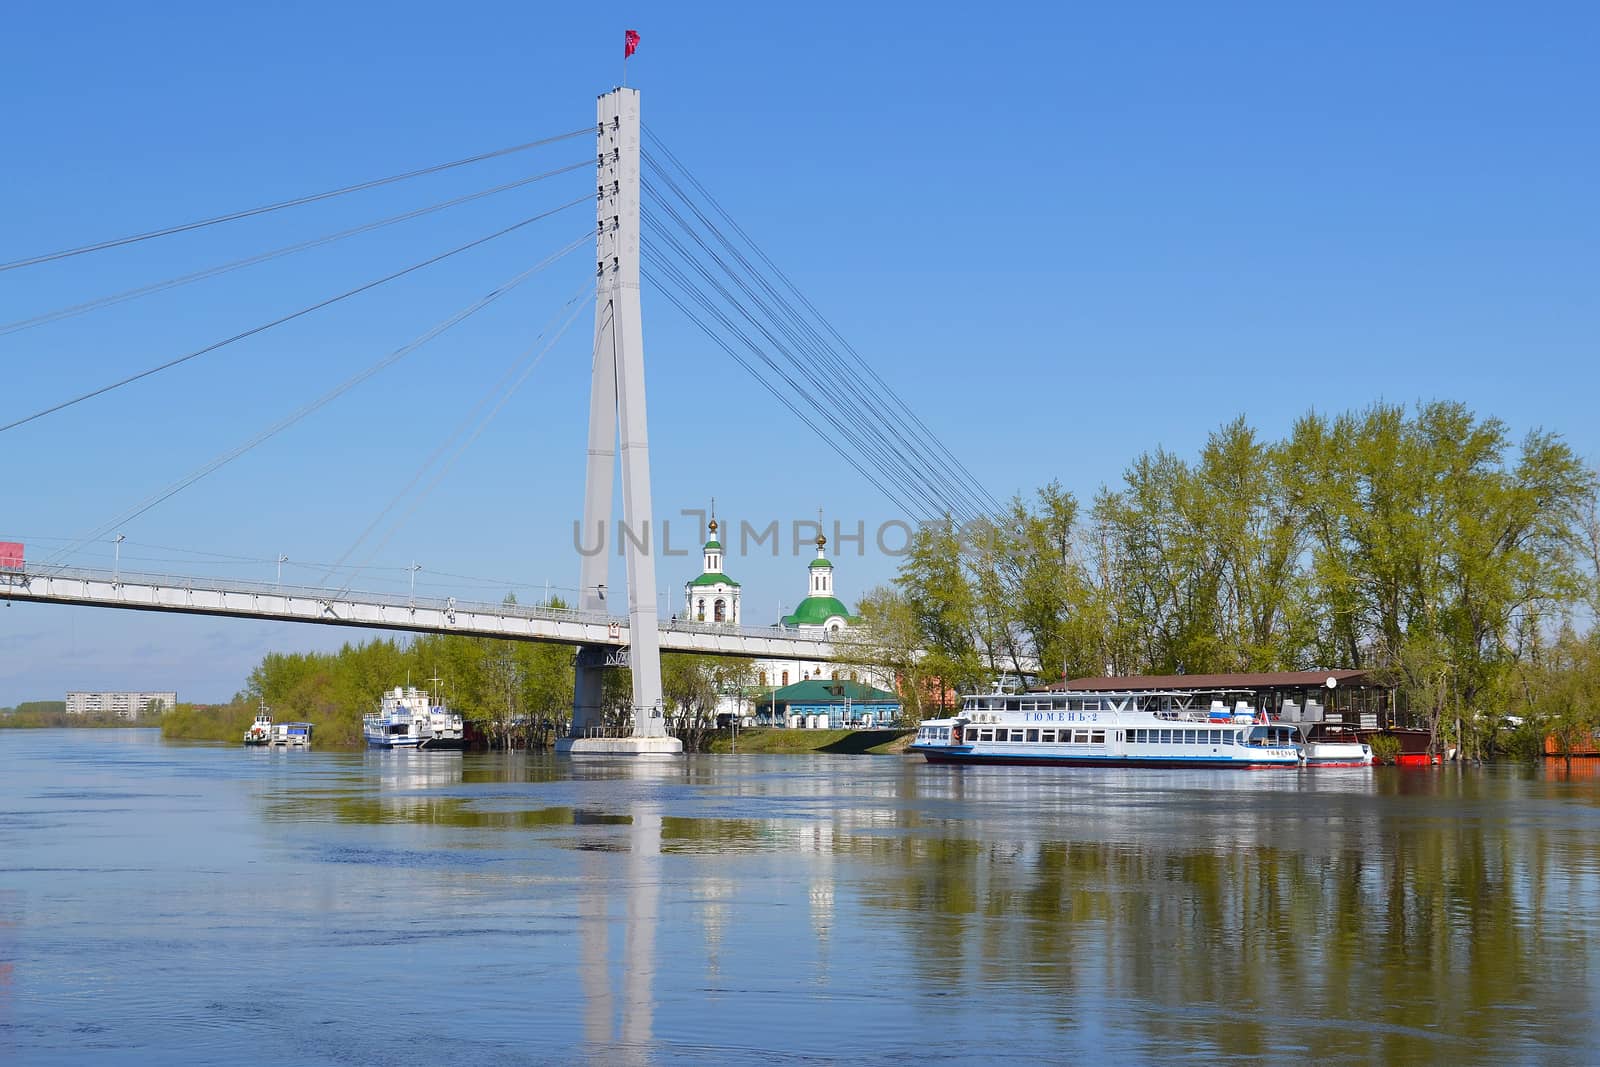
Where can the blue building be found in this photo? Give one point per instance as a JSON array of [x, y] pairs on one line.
[[826, 704]]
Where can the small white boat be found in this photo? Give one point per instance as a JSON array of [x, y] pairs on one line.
[[407, 717], [260, 732], [1328, 745]]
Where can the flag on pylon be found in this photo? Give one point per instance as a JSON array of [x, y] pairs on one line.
[[630, 43]]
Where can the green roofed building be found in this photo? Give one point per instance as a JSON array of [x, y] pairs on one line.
[[828, 704]]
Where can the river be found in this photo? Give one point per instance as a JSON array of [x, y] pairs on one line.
[[170, 903]]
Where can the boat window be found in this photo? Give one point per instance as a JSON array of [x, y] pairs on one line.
[[1033, 735], [1016, 735], [1098, 737], [1080, 737]]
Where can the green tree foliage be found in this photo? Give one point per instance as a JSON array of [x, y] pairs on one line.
[[889, 641], [695, 687], [1564, 693], [945, 604]]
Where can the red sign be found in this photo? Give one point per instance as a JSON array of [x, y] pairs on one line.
[[11, 555]]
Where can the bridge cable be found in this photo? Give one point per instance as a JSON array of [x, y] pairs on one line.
[[827, 366], [789, 284], [322, 401], [291, 316], [931, 440], [671, 273], [263, 257], [863, 436], [893, 451], [504, 388], [280, 205], [810, 388]]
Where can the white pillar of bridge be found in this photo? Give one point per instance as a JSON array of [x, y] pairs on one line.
[[616, 403]]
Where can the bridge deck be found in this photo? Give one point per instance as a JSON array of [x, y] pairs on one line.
[[236, 599]]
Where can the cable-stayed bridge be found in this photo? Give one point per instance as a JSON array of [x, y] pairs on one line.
[[695, 256]]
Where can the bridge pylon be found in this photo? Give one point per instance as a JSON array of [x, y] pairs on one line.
[[617, 408]]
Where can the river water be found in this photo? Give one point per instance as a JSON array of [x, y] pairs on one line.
[[167, 903]]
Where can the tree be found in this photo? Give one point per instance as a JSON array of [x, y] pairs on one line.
[[944, 606], [888, 641], [695, 688], [1565, 693]]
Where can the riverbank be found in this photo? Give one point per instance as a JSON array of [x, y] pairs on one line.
[[834, 742]]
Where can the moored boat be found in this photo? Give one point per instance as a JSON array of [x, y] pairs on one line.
[[407, 717], [1331, 745], [292, 734], [1106, 729], [260, 732]]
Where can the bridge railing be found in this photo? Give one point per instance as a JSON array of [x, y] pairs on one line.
[[312, 592]]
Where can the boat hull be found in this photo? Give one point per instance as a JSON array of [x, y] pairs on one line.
[[933, 755], [1337, 754], [392, 742]]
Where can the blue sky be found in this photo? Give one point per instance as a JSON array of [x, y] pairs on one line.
[[1065, 234]]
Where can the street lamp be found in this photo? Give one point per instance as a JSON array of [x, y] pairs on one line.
[[282, 559], [116, 567], [415, 567]]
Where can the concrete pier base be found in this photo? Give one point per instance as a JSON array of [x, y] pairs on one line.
[[664, 748]]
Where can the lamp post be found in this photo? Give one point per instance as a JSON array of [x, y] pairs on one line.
[[116, 565], [282, 559], [414, 568]]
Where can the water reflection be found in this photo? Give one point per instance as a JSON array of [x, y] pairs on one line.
[[1400, 916], [793, 909], [618, 1027]]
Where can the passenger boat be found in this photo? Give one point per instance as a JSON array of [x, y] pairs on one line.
[[407, 717], [1106, 729], [260, 732]]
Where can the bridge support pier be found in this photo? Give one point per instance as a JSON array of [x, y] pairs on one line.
[[617, 409]]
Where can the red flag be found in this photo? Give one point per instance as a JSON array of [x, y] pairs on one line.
[[630, 43]]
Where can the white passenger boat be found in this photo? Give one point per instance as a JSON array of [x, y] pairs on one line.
[[407, 717], [1106, 729]]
